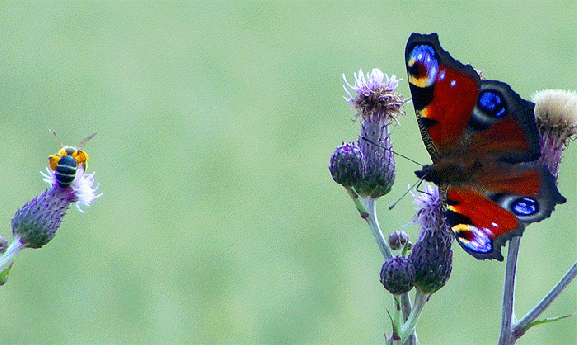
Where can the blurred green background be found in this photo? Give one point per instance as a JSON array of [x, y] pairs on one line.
[[220, 222]]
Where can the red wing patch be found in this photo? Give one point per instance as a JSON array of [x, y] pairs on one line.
[[481, 225]]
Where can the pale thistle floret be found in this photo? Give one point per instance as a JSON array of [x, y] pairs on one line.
[[83, 186], [427, 201], [370, 82], [556, 117], [557, 108], [375, 95]]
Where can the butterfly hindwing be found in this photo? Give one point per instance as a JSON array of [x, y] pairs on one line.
[[480, 224], [484, 215]]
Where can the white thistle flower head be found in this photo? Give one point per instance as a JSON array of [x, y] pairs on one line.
[[557, 110], [556, 117], [83, 189]]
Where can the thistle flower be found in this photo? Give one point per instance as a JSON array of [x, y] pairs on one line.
[[83, 187], [431, 255], [556, 117], [398, 275], [376, 96], [378, 104], [36, 223]]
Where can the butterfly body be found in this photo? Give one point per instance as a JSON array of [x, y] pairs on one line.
[[483, 141]]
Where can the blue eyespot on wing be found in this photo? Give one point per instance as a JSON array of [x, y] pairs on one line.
[[444, 92]]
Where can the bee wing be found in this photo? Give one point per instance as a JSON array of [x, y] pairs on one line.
[[83, 142]]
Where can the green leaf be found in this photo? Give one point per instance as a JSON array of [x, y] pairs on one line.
[[4, 275], [395, 335], [547, 320]]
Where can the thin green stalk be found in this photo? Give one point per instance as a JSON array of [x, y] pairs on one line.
[[368, 211], [375, 228], [11, 251], [421, 299], [520, 327], [506, 336]]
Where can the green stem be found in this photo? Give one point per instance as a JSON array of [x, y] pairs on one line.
[[520, 327], [506, 337], [368, 211], [11, 251], [357, 201], [421, 299], [397, 317], [375, 228], [407, 307]]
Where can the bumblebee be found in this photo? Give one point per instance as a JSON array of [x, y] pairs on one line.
[[67, 160]]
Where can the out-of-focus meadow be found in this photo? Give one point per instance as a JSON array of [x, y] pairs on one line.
[[220, 222]]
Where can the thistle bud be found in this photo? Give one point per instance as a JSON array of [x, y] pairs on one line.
[[36, 222], [398, 275], [347, 165], [397, 239]]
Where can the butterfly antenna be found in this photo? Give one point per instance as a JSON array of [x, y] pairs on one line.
[[394, 152], [416, 185], [56, 136], [83, 142]]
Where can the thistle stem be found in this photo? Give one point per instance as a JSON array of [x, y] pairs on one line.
[[520, 327], [368, 211], [506, 337], [357, 201], [11, 251], [421, 299], [371, 207]]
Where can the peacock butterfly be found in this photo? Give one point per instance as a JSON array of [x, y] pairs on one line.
[[483, 141]]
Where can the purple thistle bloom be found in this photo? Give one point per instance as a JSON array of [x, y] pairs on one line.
[[431, 255], [556, 117], [376, 96], [36, 223], [378, 104], [376, 146]]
